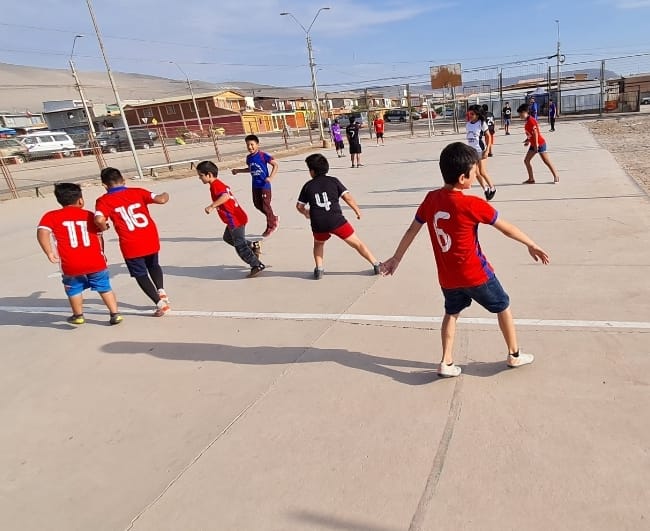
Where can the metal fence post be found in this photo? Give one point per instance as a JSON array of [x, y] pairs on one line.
[[9, 179], [213, 135]]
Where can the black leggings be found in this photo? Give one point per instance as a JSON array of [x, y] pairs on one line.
[[237, 238]]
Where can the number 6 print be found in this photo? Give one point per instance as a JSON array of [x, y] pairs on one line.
[[443, 238]]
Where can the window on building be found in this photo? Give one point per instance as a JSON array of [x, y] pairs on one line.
[[147, 112], [170, 109]]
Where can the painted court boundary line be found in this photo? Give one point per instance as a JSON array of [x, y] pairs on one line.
[[368, 318]]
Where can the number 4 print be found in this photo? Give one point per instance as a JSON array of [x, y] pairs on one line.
[[132, 218], [324, 203]]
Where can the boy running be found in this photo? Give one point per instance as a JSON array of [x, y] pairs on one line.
[[537, 144], [232, 214], [257, 163], [464, 273], [128, 209], [80, 251], [319, 202]]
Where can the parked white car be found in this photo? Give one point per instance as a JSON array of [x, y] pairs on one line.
[[46, 143]]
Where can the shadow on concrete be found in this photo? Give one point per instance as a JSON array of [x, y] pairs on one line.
[[236, 272], [313, 520], [371, 207], [485, 369], [182, 239], [263, 355]]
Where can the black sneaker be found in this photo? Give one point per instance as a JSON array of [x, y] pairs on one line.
[[489, 194], [376, 268], [318, 274], [490, 155], [256, 247], [256, 270]]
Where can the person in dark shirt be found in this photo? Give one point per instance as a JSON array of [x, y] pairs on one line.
[[507, 117], [489, 120], [352, 132], [319, 203]]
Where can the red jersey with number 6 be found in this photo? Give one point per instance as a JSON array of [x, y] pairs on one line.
[[453, 219], [230, 212], [77, 240], [128, 209]]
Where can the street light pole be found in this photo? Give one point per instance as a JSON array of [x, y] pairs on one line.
[[312, 65], [559, 80], [189, 85], [91, 126], [138, 167]]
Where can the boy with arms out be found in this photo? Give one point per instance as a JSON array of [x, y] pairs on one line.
[[128, 209], [232, 214], [80, 251], [319, 202], [537, 144], [257, 163], [463, 271]]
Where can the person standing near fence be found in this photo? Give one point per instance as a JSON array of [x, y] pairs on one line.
[[552, 113], [507, 117], [533, 108], [337, 138]]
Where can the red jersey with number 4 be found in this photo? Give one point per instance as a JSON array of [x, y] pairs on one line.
[[453, 219], [230, 212], [529, 127], [77, 240], [127, 209]]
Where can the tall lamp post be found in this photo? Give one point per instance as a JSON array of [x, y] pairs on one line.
[[189, 85], [138, 167], [312, 64], [559, 60]]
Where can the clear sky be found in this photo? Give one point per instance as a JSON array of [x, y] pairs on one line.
[[354, 42]]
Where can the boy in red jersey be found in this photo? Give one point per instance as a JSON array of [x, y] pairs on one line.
[[537, 144], [80, 251], [378, 124], [232, 214], [128, 209], [463, 271]]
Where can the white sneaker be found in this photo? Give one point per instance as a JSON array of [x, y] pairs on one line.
[[522, 359], [163, 295], [162, 308], [449, 371]]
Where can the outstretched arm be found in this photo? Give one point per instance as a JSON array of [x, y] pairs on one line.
[[347, 197], [161, 199], [389, 266], [511, 231], [235, 171]]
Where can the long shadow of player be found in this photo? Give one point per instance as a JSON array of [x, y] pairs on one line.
[[264, 355]]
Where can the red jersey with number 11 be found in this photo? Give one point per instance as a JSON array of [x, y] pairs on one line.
[[77, 240], [453, 219], [127, 209], [230, 212]]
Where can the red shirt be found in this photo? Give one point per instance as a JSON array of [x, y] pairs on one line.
[[453, 218], [127, 209], [379, 125], [230, 212], [77, 240], [529, 127]]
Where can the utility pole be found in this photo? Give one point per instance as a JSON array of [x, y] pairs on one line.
[[602, 88], [117, 96], [559, 80], [408, 106], [189, 85]]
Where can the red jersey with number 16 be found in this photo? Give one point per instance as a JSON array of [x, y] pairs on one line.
[[77, 240], [230, 212], [453, 219], [127, 209]]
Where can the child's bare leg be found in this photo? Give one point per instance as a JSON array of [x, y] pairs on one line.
[[110, 301], [319, 250], [354, 242], [507, 326], [482, 169], [529, 167], [77, 304], [447, 333], [549, 164]]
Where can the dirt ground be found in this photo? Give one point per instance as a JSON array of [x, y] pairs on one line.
[[625, 138]]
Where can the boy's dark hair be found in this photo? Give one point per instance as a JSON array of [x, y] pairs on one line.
[[485, 107], [523, 108], [67, 193], [111, 176], [252, 138], [455, 160], [207, 166], [318, 164]]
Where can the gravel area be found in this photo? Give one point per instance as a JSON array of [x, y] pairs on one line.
[[625, 138]]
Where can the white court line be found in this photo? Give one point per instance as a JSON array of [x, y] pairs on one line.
[[276, 316]]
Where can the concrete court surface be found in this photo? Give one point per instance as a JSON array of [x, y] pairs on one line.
[[237, 421]]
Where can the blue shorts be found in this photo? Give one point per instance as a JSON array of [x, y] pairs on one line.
[[506, 121], [540, 149], [490, 295], [139, 267], [99, 282]]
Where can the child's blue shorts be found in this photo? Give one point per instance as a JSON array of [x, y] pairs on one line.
[[99, 282], [490, 295]]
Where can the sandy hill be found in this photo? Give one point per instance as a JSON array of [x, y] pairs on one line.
[[26, 87]]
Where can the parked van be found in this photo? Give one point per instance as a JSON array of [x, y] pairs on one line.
[[114, 140], [396, 115], [10, 147], [47, 143]]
